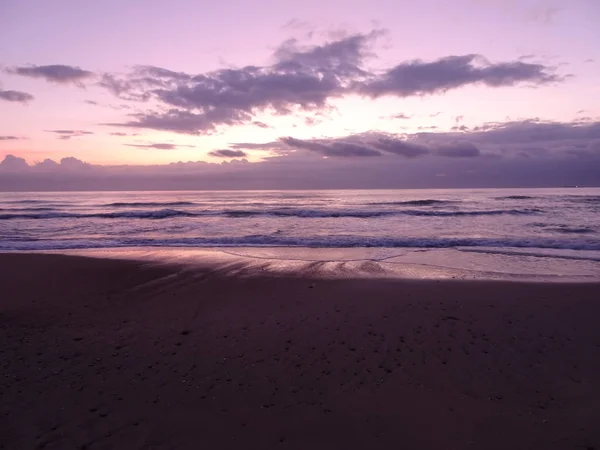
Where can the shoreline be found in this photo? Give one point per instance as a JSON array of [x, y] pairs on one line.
[[126, 354], [363, 263]]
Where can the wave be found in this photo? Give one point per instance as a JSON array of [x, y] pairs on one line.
[[563, 228], [572, 230], [147, 204], [426, 202], [515, 197], [158, 214], [276, 240], [301, 213], [41, 208], [26, 202]]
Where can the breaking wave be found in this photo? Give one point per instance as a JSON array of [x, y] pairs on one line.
[[427, 202], [515, 197], [275, 240], [147, 204], [300, 213]]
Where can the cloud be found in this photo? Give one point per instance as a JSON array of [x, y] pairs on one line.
[[308, 169], [68, 134], [401, 116], [184, 121], [531, 131], [458, 150], [15, 96], [55, 73], [153, 72], [132, 89], [380, 144], [260, 124], [301, 78], [9, 138], [47, 165], [13, 163], [226, 153], [159, 146], [121, 134], [420, 78], [508, 139], [527, 153], [543, 13], [256, 145], [71, 163], [400, 147], [332, 147]]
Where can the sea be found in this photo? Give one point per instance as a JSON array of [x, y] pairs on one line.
[[534, 232]]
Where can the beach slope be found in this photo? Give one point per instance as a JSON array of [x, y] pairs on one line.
[[110, 354]]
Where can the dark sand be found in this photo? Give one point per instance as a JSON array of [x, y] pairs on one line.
[[105, 354]]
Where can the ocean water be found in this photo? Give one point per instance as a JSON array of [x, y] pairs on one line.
[[546, 227]]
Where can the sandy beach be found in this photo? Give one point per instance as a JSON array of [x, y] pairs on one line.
[[113, 354]]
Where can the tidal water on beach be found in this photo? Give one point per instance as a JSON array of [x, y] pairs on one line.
[[509, 230]]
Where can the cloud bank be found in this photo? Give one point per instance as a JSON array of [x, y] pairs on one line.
[[226, 153], [302, 79], [299, 78], [55, 73], [15, 96], [68, 134], [510, 154]]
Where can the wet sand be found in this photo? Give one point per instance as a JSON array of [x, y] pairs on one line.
[[109, 354]]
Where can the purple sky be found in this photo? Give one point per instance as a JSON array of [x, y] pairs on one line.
[[378, 93]]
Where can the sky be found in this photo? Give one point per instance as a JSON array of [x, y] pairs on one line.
[[181, 94]]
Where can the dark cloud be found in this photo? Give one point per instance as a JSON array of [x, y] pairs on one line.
[[308, 170], [556, 139], [71, 163], [304, 79], [260, 124], [379, 144], [15, 96], [55, 73], [528, 132], [91, 102], [47, 164], [332, 147], [9, 138], [342, 59], [186, 122], [13, 163], [400, 147], [421, 78], [125, 89], [159, 146], [301, 78], [68, 134], [152, 72], [493, 155], [515, 137], [226, 153], [458, 150], [460, 128]]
